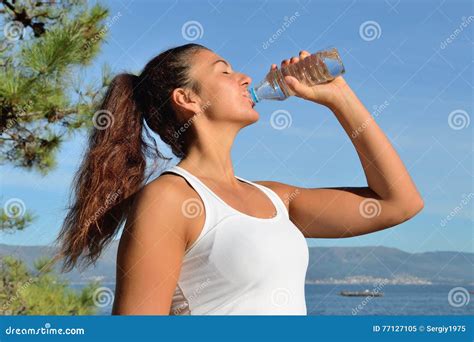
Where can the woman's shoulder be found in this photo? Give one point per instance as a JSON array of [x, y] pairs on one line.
[[157, 209], [162, 200]]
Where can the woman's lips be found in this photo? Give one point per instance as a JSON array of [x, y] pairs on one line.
[[250, 100]]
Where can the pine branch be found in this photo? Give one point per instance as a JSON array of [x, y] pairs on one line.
[[8, 5], [35, 94]]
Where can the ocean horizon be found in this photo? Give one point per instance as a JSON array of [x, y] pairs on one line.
[[325, 300]]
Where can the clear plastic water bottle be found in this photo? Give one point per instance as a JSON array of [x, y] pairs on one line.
[[320, 67]]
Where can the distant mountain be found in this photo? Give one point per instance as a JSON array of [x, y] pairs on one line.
[[390, 263], [326, 264], [104, 269]]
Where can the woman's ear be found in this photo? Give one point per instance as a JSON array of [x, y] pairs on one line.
[[185, 99]]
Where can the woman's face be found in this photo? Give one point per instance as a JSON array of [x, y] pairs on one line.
[[223, 91]]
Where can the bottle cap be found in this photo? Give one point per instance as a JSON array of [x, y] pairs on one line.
[[253, 95]]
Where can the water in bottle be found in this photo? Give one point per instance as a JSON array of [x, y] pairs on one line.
[[320, 67]]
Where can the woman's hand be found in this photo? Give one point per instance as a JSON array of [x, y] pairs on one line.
[[326, 94]]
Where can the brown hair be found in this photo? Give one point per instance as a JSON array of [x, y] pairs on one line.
[[113, 167]]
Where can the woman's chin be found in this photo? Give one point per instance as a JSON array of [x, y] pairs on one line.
[[246, 116], [252, 115]]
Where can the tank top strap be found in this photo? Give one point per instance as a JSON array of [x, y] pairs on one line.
[[213, 208], [275, 198], [204, 192]]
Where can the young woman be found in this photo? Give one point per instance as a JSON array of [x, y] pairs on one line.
[[198, 239]]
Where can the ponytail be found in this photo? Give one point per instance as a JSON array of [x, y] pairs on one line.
[[113, 169]]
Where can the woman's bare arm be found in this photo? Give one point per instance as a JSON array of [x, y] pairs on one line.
[[151, 251]]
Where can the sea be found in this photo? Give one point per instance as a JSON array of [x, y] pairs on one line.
[[325, 300]]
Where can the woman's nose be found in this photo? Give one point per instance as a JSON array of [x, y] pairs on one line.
[[246, 80]]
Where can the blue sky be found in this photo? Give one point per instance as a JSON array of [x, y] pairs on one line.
[[402, 67]]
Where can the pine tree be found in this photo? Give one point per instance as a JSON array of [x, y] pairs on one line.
[[45, 46], [41, 291]]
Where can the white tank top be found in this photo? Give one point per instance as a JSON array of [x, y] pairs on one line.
[[241, 264]]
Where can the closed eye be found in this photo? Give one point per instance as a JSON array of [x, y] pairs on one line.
[[225, 72]]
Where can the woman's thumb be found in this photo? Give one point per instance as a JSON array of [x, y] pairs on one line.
[[296, 86], [291, 81]]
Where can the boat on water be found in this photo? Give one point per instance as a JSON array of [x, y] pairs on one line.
[[364, 293]]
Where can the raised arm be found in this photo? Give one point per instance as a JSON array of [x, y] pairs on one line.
[[390, 198]]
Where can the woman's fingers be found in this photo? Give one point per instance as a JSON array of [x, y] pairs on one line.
[[302, 55], [294, 60], [285, 62]]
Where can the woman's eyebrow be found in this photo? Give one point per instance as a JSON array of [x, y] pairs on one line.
[[222, 61]]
